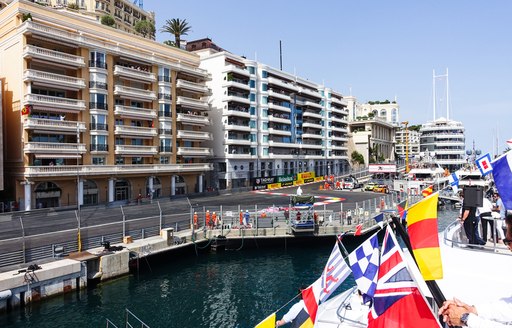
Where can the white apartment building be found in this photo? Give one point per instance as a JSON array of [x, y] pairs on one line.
[[410, 137], [388, 111], [269, 123]]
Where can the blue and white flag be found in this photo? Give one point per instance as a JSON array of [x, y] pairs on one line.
[[484, 164], [454, 182], [335, 272], [502, 173], [364, 262]]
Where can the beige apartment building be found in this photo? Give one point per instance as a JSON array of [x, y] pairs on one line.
[[97, 115]]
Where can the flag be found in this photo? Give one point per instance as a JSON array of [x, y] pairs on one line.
[[364, 262], [269, 322], [359, 227], [402, 209], [423, 233], [509, 143], [335, 272], [427, 191], [398, 302], [302, 320], [379, 218], [454, 182], [502, 174], [484, 164], [26, 110]]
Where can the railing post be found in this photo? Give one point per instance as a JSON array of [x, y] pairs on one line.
[[256, 217], [124, 222], [160, 213], [24, 245]]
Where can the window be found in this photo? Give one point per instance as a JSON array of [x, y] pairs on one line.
[[264, 100], [253, 137], [265, 139], [265, 151], [264, 126], [264, 87], [136, 160], [264, 74], [98, 161], [252, 84], [264, 112], [252, 110], [252, 124], [164, 160], [119, 160], [252, 97], [251, 69]]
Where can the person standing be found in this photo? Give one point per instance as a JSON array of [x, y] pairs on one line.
[[195, 220], [241, 217], [470, 223], [485, 214], [500, 207], [207, 218], [246, 218]]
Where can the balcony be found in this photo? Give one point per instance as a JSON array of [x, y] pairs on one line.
[[279, 95], [193, 71], [53, 80], [314, 125], [339, 119], [194, 135], [135, 131], [237, 84], [310, 92], [134, 93], [30, 27], [236, 69], [339, 138], [237, 127], [339, 129], [57, 104], [237, 97], [98, 85], [53, 126], [56, 149], [341, 102], [313, 104], [194, 87], [194, 152], [343, 111], [98, 148], [130, 150], [279, 132], [95, 127], [190, 119], [279, 119], [312, 136], [241, 142], [57, 57], [135, 112], [279, 107], [312, 146], [109, 170], [273, 143], [237, 112], [134, 74], [192, 103], [283, 84], [312, 114]]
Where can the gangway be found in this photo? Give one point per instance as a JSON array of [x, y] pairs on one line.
[[131, 321], [302, 214]]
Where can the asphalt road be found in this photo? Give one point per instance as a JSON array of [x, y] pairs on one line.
[[53, 226]]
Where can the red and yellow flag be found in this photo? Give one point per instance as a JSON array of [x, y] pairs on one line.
[[423, 233], [427, 191]]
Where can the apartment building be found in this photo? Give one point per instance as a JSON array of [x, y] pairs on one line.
[[407, 141], [126, 13], [269, 123], [94, 114]]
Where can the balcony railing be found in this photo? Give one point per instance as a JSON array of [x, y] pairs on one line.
[[51, 32], [53, 125], [135, 112], [97, 105], [134, 73], [55, 102], [108, 170], [97, 64], [98, 85], [236, 69], [201, 73], [54, 148], [194, 152], [283, 84], [193, 119], [136, 150], [135, 131], [164, 78], [98, 126], [194, 135], [191, 86], [58, 80], [128, 92], [165, 149], [192, 103], [164, 96], [53, 56], [98, 147]]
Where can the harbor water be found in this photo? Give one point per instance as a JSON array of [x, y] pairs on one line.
[[237, 288]]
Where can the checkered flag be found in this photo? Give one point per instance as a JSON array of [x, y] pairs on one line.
[[364, 262]]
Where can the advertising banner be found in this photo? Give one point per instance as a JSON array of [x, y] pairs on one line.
[[382, 168]]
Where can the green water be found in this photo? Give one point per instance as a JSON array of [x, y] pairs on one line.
[[231, 289]]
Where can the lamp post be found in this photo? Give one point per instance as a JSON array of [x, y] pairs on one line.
[[406, 123]]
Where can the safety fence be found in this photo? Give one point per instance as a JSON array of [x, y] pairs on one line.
[[50, 234]]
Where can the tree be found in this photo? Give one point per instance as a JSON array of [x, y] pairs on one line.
[[170, 43], [146, 28], [177, 28], [357, 158], [108, 20]]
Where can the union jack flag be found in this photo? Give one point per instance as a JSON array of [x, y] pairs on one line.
[[398, 301]]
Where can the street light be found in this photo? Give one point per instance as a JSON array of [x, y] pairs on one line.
[[79, 241], [406, 147]]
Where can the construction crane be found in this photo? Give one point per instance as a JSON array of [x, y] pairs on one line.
[[140, 3]]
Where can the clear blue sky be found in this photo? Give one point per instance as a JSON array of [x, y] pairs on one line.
[[378, 49]]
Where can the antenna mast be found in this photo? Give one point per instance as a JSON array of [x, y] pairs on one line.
[[447, 96], [280, 56], [434, 92]]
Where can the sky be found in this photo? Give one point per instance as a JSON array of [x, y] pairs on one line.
[[376, 50]]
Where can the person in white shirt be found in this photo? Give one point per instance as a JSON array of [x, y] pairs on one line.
[[491, 315], [485, 214]]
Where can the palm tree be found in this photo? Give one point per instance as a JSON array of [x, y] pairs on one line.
[[177, 28]]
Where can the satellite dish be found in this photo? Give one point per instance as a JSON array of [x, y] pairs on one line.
[[478, 151], [468, 152]]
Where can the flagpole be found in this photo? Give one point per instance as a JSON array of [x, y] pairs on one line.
[[431, 284]]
